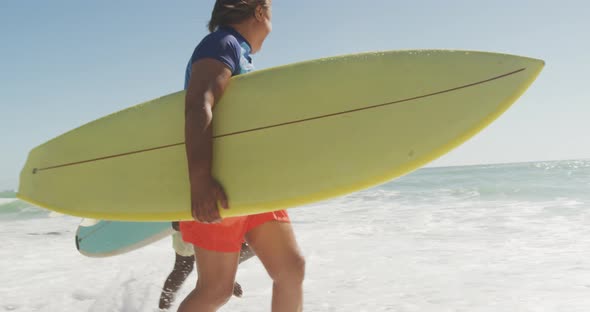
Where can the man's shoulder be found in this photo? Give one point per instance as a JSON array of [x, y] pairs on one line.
[[220, 38]]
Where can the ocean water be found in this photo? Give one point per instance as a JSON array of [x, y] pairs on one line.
[[512, 237]]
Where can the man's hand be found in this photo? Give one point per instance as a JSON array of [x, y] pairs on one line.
[[204, 199]]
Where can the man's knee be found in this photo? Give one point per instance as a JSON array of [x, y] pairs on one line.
[[292, 272], [217, 294]]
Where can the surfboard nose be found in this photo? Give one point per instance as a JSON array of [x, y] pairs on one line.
[[532, 64]]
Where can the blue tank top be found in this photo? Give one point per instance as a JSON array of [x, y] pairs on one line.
[[227, 46]]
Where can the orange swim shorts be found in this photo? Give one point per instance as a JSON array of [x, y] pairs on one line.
[[227, 236]]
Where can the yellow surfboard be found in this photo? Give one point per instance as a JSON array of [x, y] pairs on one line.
[[284, 137]]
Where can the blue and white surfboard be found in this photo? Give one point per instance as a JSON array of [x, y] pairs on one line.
[[96, 238]]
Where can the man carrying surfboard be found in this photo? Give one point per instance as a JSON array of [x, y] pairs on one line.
[[238, 29]]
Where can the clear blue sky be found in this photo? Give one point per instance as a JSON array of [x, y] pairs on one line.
[[64, 63]]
